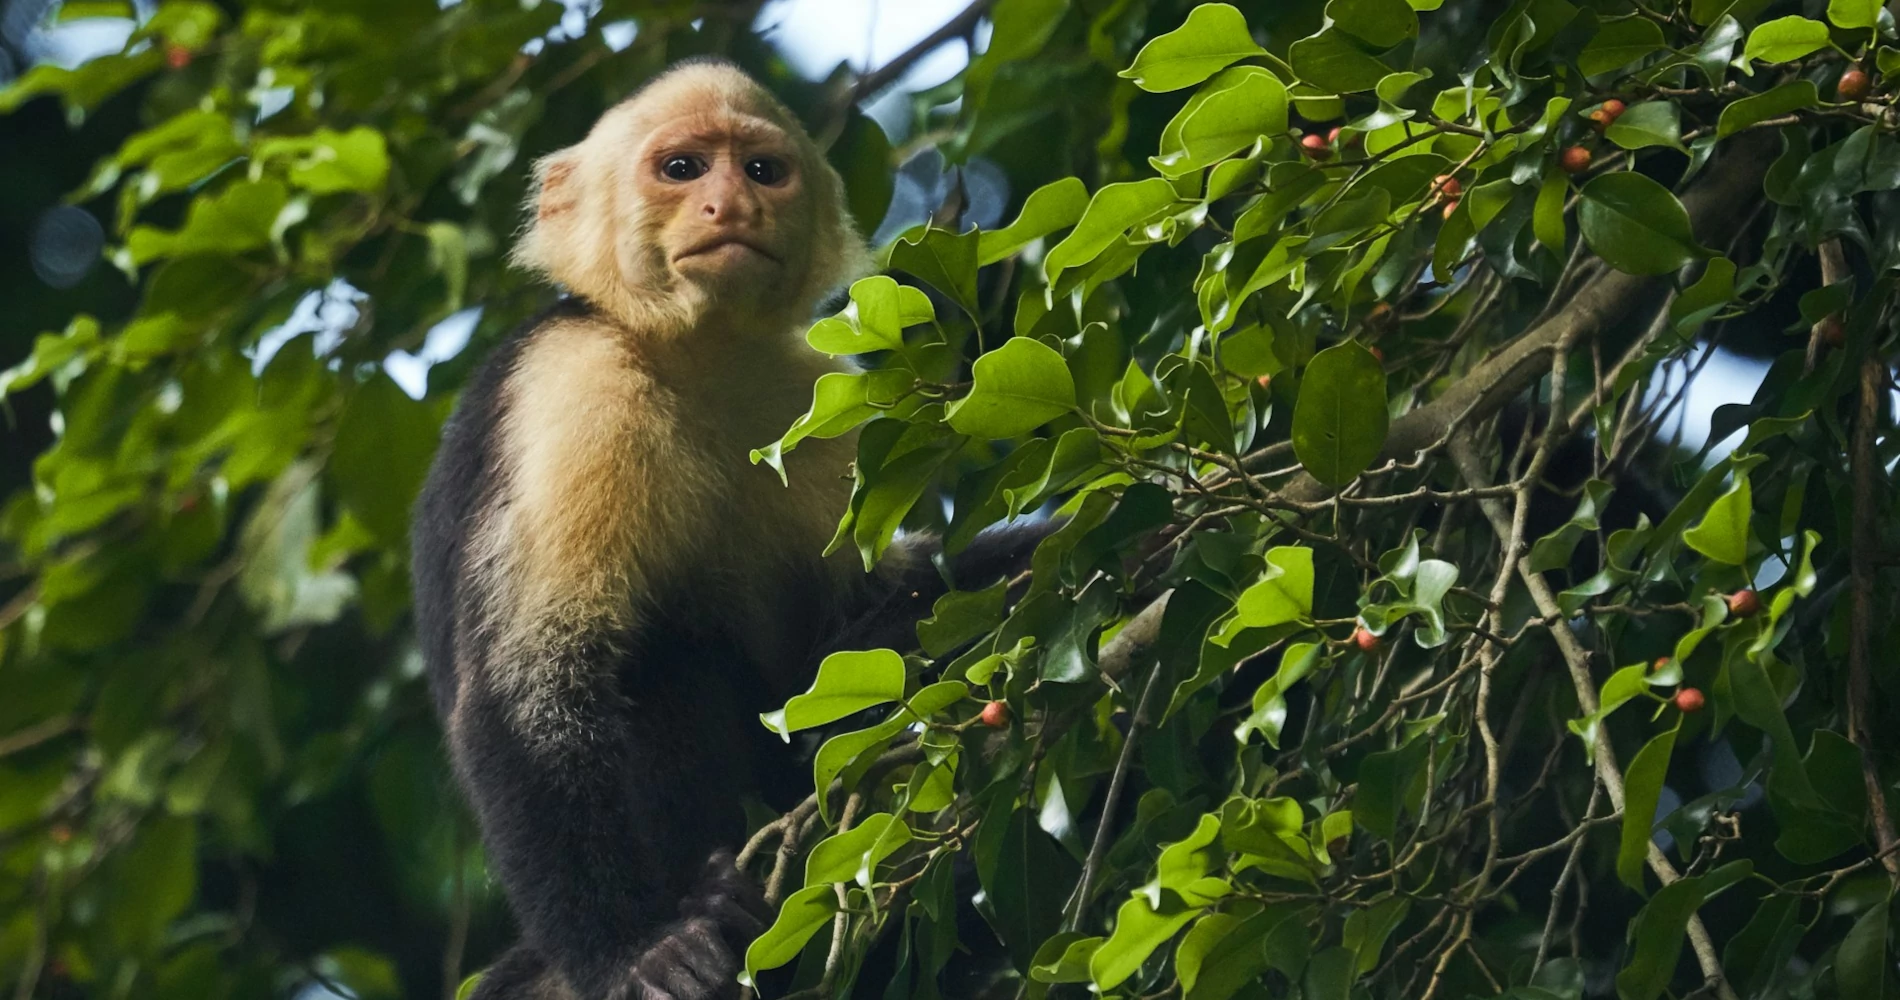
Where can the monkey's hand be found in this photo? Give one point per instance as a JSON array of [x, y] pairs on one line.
[[698, 956]]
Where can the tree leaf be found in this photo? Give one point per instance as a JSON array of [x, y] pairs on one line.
[[944, 260], [1636, 225], [852, 856], [1241, 106], [1379, 23], [1018, 387], [1619, 43], [1651, 123], [1722, 534], [847, 682], [1862, 967], [1643, 784], [1050, 207], [1139, 930], [1784, 39], [1748, 111], [1339, 421], [874, 320], [1285, 594], [1213, 36], [1113, 210], [799, 917], [1334, 63], [1854, 14]]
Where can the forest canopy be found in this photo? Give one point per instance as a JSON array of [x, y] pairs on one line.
[[1416, 627]]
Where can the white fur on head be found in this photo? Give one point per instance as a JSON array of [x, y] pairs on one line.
[[587, 228]]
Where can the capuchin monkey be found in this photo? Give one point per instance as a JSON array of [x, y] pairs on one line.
[[607, 591]]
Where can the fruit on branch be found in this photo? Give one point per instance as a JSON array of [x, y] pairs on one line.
[[1744, 603], [1854, 85], [177, 56], [1363, 638], [1689, 700], [1661, 664], [995, 715], [1316, 147], [1574, 159]]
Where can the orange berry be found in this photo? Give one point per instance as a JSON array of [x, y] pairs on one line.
[[1689, 700], [1447, 185], [1614, 108], [1316, 147], [1574, 159], [1264, 381], [1661, 664], [1744, 603], [1450, 207], [1853, 85], [177, 56], [1363, 637], [995, 715]]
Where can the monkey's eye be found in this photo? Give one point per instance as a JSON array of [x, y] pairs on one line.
[[765, 170], [682, 168]]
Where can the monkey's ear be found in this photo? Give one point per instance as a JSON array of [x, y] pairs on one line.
[[553, 201]]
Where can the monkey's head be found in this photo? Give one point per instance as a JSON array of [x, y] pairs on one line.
[[698, 199]]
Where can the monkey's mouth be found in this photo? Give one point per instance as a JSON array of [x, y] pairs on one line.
[[726, 243]]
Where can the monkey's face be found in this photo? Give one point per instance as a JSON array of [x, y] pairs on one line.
[[732, 203], [699, 199]]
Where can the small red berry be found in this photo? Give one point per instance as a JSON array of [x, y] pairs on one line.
[[1450, 208], [1376, 353], [1316, 147], [1833, 332], [1447, 185], [1362, 636], [1853, 85], [60, 833], [1690, 700], [1614, 108], [995, 715], [1661, 664], [1574, 159], [177, 56], [1264, 381], [1743, 603]]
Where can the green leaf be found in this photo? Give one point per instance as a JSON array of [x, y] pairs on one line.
[[1379, 23], [1699, 302], [874, 320], [1619, 43], [1139, 930], [1785, 39], [945, 260], [1053, 206], [239, 218], [1284, 594], [1213, 36], [1367, 930], [1636, 225], [1651, 123], [152, 880], [329, 162], [1553, 550], [1643, 785], [1722, 534], [799, 917], [1748, 111], [1854, 14], [1241, 106], [1113, 210], [1018, 387], [852, 856], [1332, 62], [959, 616], [1656, 935], [847, 682], [839, 402], [1339, 421], [1862, 967]]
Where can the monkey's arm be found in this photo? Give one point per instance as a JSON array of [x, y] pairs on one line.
[[598, 831]]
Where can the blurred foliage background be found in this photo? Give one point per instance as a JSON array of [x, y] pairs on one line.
[[1323, 316]]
